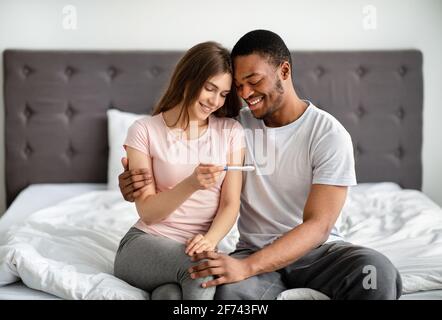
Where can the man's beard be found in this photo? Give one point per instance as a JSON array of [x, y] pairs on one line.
[[275, 106]]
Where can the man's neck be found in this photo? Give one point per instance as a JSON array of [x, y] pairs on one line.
[[290, 111]]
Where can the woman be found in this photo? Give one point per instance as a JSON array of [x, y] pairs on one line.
[[192, 203]]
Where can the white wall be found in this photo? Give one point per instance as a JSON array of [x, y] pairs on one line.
[[179, 24]]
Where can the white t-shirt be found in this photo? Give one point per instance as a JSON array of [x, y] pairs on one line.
[[314, 149]]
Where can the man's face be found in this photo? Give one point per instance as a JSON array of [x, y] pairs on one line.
[[258, 82]]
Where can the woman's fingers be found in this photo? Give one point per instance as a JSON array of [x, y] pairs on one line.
[[200, 245], [210, 168], [206, 175], [193, 242], [203, 247]]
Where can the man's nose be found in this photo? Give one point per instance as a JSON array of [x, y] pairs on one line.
[[245, 92]]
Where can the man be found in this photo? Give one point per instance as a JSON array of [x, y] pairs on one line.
[[290, 205]]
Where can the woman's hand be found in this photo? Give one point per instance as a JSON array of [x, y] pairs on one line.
[[198, 244], [205, 176]]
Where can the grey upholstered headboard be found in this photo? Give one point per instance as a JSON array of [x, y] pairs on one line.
[[56, 102]]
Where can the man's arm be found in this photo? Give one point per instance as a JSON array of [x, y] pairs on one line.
[[321, 211]]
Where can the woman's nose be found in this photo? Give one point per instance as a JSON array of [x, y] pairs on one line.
[[214, 100]]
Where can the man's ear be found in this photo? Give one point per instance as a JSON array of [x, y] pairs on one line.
[[285, 70]]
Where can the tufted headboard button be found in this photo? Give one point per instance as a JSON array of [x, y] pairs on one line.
[[155, 71], [112, 72], [27, 150], [360, 111], [69, 112], [28, 112], [358, 150], [69, 71], [400, 113], [402, 71], [26, 71], [70, 152], [361, 71], [399, 152], [319, 71]]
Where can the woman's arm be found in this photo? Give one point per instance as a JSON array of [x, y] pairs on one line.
[[153, 207], [227, 211]]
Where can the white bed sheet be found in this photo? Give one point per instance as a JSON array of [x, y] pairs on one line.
[[31, 199], [36, 197]]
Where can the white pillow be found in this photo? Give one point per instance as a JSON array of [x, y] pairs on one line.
[[118, 122], [302, 294]]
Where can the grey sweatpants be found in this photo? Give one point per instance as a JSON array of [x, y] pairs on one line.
[[157, 265], [338, 269]]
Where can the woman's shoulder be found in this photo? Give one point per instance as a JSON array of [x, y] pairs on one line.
[[148, 122]]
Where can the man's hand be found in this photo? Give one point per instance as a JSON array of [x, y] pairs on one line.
[[133, 182], [225, 268], [198, 244]]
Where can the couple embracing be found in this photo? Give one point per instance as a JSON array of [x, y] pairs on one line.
[[177, 174]]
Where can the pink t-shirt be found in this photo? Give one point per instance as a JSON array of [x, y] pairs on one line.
[[174, 159]]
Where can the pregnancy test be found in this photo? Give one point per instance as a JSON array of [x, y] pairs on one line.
[[239, 168]]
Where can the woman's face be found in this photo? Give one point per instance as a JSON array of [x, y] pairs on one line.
[[212, 96]]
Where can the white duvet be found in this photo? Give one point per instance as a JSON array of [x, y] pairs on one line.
[[405, 225], [68, 249]]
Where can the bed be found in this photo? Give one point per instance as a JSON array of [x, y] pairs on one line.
[[61, 163]]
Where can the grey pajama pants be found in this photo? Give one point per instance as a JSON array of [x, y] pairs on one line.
[[339, 269], [158, 265]]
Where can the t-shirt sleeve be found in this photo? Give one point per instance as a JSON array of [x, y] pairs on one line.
[[236, 140], [138, 137], [333, 160]]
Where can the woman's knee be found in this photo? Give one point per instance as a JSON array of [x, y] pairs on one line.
[[168, 291]]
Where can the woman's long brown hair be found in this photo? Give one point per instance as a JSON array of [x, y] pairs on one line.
[[199, 64]]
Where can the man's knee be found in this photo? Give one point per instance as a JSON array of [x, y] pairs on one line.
[[230, 291], [374, 276]]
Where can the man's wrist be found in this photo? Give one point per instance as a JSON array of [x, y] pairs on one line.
[[250, 267]]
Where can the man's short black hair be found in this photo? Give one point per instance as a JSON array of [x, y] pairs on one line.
[[265, 43]]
